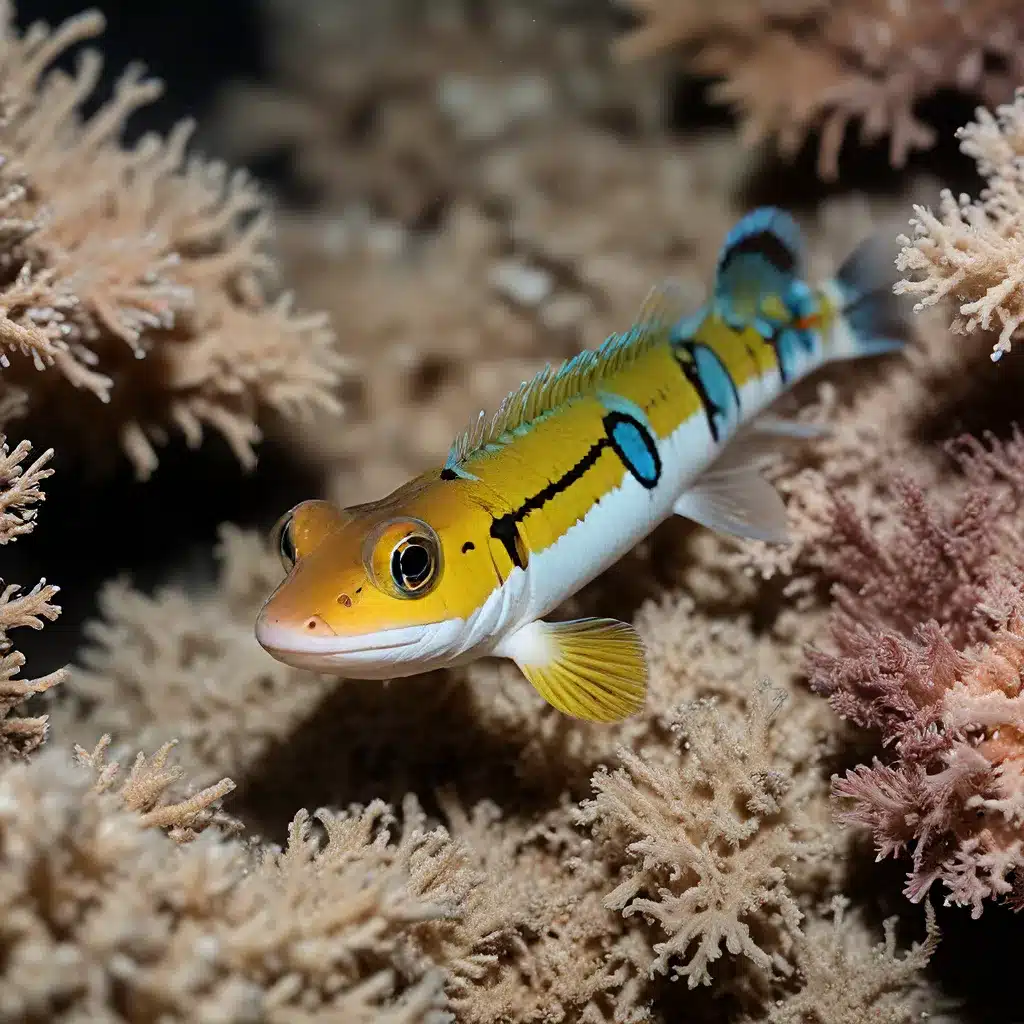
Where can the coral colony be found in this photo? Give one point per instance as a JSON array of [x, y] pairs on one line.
[[816, 812]]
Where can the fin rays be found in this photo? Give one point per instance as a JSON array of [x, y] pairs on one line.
[[550, 388], [593, 669]]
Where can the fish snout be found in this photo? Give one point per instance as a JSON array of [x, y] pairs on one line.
[[274, 630]]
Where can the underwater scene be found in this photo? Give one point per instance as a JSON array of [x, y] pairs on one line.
[[511, 512]]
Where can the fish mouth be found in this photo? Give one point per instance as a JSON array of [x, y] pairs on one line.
[[367, 656]]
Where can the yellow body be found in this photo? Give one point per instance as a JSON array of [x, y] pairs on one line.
[[575, 468]]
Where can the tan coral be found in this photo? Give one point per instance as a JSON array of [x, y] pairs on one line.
[[707, 845], [137, 276], [153, 788], [971, 250], [92, 901], [797, 66], [845, 980], [20, 491]]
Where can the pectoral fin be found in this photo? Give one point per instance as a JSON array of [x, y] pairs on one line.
[[732, 496], [589, 668]]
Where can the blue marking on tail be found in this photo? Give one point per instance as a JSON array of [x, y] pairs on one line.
[[761, 256]]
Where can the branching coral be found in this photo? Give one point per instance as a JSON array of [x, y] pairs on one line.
[[708, 845], [971, 251], [929, 650], [800, 65], [19, 491], [534, 941], [176, 666], [92, 903], [846, 981], [152, 788], [136, 275]]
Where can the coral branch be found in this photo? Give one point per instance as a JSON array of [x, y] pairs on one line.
[[137, 276], [93, 901], [708, 846], [972, 250], [928, 649], [846, 981], [151, 788], [19, 491], [794, 67]]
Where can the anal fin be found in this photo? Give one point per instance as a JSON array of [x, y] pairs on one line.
[[785, 428], [594, 669], [731, 496]]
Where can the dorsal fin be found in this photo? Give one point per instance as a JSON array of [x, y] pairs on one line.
[[665, 305], [761, 257], [534, 399]]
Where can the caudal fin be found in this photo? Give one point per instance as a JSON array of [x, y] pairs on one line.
[[872, 319]]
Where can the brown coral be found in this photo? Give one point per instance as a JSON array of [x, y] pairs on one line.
[[801, 65], [153, 789], [846, 981], [136, 280]]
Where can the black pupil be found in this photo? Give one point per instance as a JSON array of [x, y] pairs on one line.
[[413, 564]]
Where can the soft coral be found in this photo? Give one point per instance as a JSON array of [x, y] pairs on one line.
[[928, 648]]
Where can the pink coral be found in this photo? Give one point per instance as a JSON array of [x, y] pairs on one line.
[[929, 650]]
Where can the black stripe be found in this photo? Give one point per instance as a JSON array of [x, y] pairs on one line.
[[505, 528], [684, 357], [773, 341], [766, 244], [449, 474]]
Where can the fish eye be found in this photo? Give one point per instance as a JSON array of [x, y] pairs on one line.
[[403, 557], [281, 538], [414, 565]]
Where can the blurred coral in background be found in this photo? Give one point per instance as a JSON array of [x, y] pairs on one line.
[[136, 279], [460, 192], [794, 67]]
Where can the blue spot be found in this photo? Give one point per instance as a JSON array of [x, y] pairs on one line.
[[718, 387], [634, 445], [800, 299]]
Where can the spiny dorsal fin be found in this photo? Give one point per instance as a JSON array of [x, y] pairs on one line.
[[550, 388], [665, 305]]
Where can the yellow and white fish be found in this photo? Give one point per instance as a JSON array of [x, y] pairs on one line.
[[576, 467]]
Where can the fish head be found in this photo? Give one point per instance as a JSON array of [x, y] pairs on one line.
[[379, 590]]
